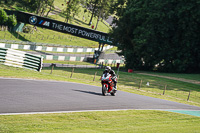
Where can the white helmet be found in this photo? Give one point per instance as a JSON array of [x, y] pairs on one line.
[[108, 68]]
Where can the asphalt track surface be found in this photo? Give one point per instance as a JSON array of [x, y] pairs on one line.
[[28, 96]]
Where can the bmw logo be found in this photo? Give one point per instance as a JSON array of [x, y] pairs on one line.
[[32, 20]]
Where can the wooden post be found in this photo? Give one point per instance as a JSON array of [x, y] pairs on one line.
[[188, 96], [72, 73], [140, 84], [94, 76], [18, 36], [4, 35], [52, 66], [164, 89]]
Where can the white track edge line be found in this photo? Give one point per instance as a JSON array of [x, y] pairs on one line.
[[57, 112]]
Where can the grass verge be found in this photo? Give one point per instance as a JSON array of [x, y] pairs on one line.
[[177, 75], [111, 121], [48, 36]]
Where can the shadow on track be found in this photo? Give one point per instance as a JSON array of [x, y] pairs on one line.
[[89, 92]]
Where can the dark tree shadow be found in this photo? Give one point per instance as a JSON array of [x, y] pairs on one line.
[[79, 21], [44, 53], [18, 36]]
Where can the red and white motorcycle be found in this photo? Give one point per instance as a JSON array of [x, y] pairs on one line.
[[108, 84]]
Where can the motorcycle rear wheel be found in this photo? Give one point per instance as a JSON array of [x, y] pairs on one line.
[[113, 93]]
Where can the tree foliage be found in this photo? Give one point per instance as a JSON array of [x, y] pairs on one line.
[[162, 35], [12, 20], [72, 9], [3, 17], [7, 20], [103, 9], [99, 9], [40, 7]]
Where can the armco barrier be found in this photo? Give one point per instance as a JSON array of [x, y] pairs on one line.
[[74, 58], [21, 59]]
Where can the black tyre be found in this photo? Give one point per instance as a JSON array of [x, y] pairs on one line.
[[103, 90], [113, 93]]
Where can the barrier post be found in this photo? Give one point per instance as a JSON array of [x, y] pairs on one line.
[[140, 84], [52, 66], [164, 89], [188, 96], [94, 76], [72, 73]]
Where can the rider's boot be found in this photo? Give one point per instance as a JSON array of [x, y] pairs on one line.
[[115, 86]]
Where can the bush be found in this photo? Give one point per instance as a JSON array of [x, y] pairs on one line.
[[12, 21], [3, 17], [27, 29]]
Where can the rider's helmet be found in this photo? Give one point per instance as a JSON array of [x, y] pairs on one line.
[[108, 68]]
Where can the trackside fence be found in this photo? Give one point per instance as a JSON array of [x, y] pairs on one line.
[[132, 82], [20, 59], [162, 88]]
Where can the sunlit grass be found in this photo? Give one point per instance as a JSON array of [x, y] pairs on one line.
[[112, 121]]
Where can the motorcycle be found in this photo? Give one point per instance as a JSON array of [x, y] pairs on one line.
[[107, 84]]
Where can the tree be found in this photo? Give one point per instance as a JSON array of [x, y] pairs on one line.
[[12, 21], [159, 33], [92, 5], [3, 17], [103, 10], [72, 9], [7, 20], [51, 5]]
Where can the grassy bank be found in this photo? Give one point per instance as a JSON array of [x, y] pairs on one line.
[[117, 121], [48, 36], [176, 75]]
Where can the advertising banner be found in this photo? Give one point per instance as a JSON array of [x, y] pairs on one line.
[[61, 27]]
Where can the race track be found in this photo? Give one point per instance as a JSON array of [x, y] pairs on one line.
[[24, 96]]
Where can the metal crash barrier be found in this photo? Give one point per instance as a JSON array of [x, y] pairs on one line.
[[20, 59]]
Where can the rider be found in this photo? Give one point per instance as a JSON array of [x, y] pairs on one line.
[[114, 76]]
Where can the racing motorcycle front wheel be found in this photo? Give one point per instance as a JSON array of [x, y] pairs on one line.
[[104, 89]]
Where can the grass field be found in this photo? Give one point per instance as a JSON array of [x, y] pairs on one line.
[[131, 121], [178, 75], [48, 36]]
